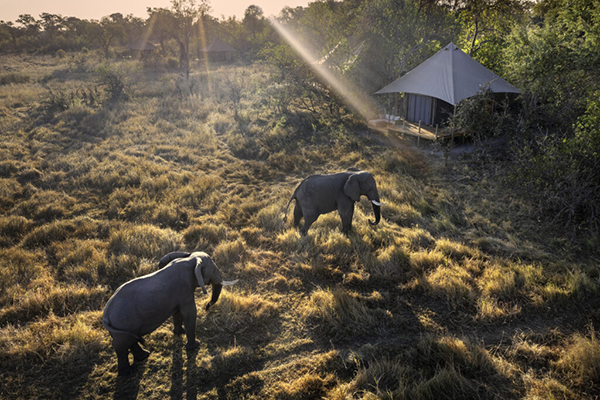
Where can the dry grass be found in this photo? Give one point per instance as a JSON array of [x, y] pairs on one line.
[[457, 293]]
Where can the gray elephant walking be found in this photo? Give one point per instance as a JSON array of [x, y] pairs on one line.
[[140, 306], [321, 194]]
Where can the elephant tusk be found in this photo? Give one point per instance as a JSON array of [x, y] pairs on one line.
[[229, 283], [377, 203]]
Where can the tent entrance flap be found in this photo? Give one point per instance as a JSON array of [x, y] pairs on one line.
[[420, 108]]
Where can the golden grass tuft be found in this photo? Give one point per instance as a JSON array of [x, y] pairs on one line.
[[490, 309], [236, 312], [18, 267], [333, 243], [226, 254], [47, 297], [144, 241], [451, 282], [64, 340], [197, 192], [339, 312], [453, 250], [500, 282], [290, 240], [392, 264], [81, 260], [13, 228], [204, 235], [580, 359], [60, 230], [307, 386], [270, 218], [426, 260], [415, 238]]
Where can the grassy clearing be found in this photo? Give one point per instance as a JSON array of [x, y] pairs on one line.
[[457, 293]]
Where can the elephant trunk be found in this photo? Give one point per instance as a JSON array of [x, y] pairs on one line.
[[216, 292], [377, 213]]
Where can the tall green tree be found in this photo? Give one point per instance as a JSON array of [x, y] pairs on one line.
[[30, 30], [401, 33], [107, 32], [179, 24], [485, 25], [9, 32], [52, 24]]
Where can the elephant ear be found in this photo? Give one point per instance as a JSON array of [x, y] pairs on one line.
[[352, 188], [198, 273]]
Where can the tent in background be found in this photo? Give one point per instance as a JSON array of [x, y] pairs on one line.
[[438, 84], [143, 45], [218, 50]]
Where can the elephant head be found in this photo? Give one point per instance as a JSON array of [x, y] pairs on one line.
[[208, 274], [363, 184]]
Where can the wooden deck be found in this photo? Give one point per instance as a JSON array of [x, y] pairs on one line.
[[426, 132]]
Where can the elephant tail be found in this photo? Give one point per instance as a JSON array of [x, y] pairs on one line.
[[113, 330], [288, 205]]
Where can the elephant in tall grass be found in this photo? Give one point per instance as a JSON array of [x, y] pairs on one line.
[[321, 194], [140, 306]]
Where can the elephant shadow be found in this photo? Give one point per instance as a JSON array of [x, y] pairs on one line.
[[193, 373], [128, 387]]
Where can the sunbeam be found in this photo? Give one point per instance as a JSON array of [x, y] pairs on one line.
[[202, 36], [354, 97]]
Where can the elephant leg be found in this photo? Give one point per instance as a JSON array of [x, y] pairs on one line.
[[177, 323], [139, 354], [308, 221], [297, 214], [346, 214], [188, 313], [122, 343]]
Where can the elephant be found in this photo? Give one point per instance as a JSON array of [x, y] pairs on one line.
[[321, 194], [141, 305]]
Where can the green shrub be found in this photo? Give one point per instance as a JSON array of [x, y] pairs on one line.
[[116, 81], [172, 63]]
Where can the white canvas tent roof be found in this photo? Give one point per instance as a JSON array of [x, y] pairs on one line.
[[218, 45], [450, 75], [143, 45]]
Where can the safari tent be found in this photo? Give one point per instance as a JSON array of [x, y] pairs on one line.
[[433, 88], [218, 50], [142, 45]]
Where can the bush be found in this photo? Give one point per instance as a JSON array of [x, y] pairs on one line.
[[116, 81], [481, 117], [561, 174]]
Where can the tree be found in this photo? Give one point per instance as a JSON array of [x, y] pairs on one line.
[[107, 31], [160, 25], [399, 30], [186, 13], [179, 24], [9, 31], [52, 24], [485, 26], [254, 20], [31, 28]]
